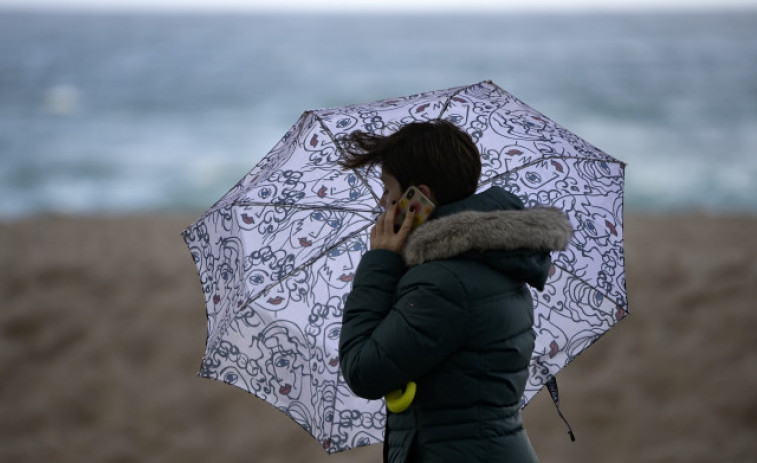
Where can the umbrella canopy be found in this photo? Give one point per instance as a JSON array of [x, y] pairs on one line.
[[277, 253]]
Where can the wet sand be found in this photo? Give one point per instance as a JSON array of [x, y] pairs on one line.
[[102, 329]]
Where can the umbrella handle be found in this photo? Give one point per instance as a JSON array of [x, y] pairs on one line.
[[398, 400]]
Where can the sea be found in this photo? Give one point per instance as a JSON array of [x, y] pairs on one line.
[[114, 112]]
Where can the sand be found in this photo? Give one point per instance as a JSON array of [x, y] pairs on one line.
[[102, 329]]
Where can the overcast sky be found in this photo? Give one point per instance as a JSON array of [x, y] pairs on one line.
[[389, 5]]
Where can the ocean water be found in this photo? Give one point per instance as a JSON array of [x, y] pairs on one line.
[[112, 113]]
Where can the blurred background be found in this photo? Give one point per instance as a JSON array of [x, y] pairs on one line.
[[120, 121], [112, 107]]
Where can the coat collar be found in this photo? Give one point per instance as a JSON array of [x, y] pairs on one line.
[[491, 221]]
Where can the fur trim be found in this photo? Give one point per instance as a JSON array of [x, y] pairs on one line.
[[539, 229]]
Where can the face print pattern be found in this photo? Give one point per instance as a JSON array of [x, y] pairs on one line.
[[277, 254], [531, 156]]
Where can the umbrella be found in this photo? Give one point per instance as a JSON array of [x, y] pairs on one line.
[[277, 253]]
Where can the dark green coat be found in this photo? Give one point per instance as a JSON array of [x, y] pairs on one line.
[[453, 313]]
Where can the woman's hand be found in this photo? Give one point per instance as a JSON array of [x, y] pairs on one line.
[[383, 235]]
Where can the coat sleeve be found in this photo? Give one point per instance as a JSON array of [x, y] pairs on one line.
[[386, 343]]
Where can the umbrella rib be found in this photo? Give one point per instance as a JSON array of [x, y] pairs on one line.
[[449, 99], [604, 294], [305, 207], [547, 158]]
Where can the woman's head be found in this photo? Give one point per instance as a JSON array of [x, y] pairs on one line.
[[437, 154]]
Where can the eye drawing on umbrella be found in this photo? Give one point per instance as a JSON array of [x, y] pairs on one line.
[[291, 257]]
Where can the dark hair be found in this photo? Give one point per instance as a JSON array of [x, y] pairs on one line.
[[435, 153]]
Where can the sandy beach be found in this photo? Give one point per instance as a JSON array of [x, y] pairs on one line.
[[103, 327]]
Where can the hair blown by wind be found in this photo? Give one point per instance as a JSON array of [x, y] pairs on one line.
[[435, 153]]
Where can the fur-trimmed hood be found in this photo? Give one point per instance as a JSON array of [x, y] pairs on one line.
[[492, 226], [537, 229]]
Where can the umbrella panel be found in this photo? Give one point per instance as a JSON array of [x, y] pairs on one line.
[[590, 193], [244, 252], [289, 357], [569, 316]]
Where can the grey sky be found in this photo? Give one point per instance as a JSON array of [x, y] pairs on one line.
[[388, 5]]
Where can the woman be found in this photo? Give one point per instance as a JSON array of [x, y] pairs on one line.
[[447, 305]]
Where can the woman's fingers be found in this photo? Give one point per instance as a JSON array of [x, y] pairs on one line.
[[385, 235], [407, 224]]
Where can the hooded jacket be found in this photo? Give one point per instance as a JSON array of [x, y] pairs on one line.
[[454, 314]]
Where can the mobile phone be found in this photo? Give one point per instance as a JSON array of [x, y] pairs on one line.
[[417, 200]]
